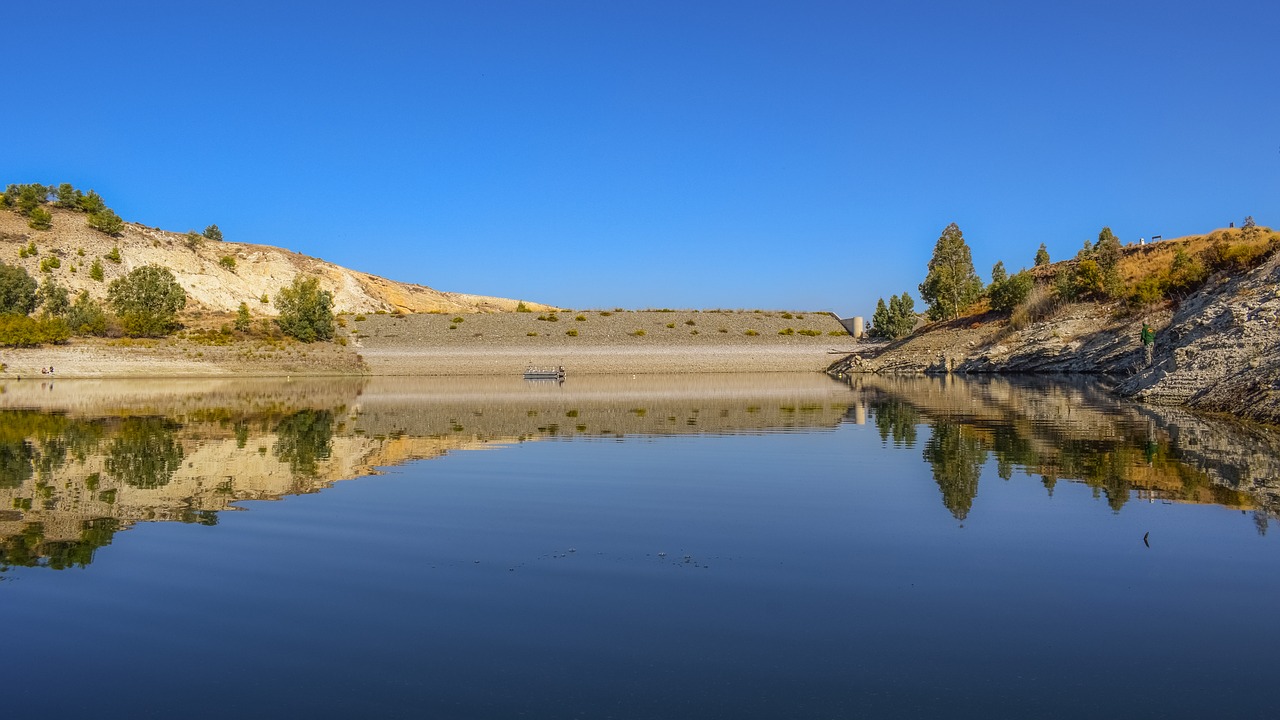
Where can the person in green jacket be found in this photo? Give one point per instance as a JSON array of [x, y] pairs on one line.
[[1148, 341]]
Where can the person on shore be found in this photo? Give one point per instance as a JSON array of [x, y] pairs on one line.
[[1148, 341]]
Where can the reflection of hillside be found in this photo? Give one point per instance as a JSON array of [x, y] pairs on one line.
[[1069, 431], [494, 409], [88, 458]]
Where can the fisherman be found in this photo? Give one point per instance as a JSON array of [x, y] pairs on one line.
[[1148, 341]]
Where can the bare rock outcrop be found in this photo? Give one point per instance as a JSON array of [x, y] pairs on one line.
[[1221, 350]]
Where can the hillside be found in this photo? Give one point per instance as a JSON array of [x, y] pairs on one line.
[[1217, 348], [211, 286]]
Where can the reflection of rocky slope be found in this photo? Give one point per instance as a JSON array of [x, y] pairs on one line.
[[1075, 432]]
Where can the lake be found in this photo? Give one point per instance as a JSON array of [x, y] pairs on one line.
[[632, 547]]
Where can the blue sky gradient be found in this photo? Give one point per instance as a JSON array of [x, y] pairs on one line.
[[658, 154]]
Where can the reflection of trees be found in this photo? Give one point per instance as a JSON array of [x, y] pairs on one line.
[[29, 548], [957, 456], [145, 453], [15, 463], [304, 438], [896, 419]]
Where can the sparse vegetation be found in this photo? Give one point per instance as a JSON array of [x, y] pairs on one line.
[[17, 290], [228, 262], [25, 331], [572, 332], [306, 311], [40, 219], [895, 319], [114, 255], [106, 222], [521, 307], [243, 319], [751, 333], [147, 301], [86, 317]]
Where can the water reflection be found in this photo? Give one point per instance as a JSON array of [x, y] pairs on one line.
[[1074, 431], [91, 458]]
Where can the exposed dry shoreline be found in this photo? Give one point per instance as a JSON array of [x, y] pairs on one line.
[[606, 342]]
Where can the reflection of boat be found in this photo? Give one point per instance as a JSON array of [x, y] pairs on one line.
[[533, 373]]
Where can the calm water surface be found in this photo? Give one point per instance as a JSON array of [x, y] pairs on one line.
[[696, 547]]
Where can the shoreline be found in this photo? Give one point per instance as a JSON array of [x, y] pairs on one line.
[[162, 362]]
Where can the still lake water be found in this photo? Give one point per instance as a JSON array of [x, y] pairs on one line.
[[689, 547]]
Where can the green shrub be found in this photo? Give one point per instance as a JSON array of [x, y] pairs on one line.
[[1009, 293], [147, 301], [751, 333], [671, 326], [549, 318], [605, 313], [580, 318], [53, 297], [306, 311], [86, 317], [638, 333], [40, 219], [1185, 273], [68, 197], [228, 262], [787, 316], [571, 332], [531, 334], [521, 307], [456, 320], [106, 221], [243, 320], [24, 331], [810, 333], [91, 202], [95, 270], [896, 319], [264, 299], [360, 318], [114, 255], [193, 240], [690, 323], [50, 263], [213, 233], [17, 290], [786, 331]]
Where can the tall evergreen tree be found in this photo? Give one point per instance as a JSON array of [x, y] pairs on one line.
[[952, 282], [1042, 256]]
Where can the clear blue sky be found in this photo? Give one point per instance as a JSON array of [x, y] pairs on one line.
[[799, 155]]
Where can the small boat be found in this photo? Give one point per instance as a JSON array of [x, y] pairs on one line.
[[533, 373]]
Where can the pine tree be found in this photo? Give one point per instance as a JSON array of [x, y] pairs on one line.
[[1042, 256], [952, 284]]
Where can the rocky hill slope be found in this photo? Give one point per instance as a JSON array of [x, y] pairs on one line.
[[217, 276], [1217, 349]]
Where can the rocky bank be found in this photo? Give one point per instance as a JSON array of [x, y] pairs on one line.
[[1217, 350]]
